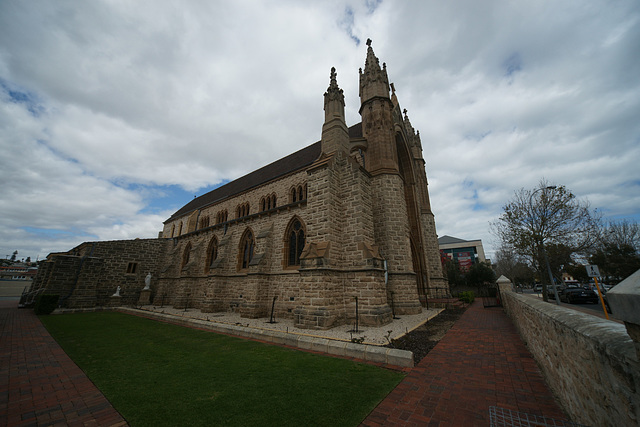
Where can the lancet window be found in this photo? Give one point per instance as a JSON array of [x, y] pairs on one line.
[[242, 210], [212, 254], [295, 241], [247, 246], [186, 255], [222, 216]]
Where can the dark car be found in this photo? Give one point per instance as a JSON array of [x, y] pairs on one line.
[[577, 294]]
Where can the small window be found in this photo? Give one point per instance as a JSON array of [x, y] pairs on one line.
[[204, 222], [222, 216], [242, 210], [132, 267]]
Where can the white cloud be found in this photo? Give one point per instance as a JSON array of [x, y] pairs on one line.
[[106, 103]]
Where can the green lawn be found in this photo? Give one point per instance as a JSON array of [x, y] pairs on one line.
[[160, 374]]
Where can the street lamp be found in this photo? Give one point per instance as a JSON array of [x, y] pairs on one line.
[[544, 252]]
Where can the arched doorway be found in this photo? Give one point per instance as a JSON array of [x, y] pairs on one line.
[[405, 166]]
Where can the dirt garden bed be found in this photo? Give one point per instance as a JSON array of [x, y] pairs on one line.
[[424, 338]]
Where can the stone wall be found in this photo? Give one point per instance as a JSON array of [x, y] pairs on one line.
[[89, 274], [589, 363]]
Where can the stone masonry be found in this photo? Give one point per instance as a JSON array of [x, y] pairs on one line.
[[344, 224]]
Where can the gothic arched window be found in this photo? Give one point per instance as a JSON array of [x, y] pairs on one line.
[[186, 255], [212, 254], [247, 246], [295, 241]]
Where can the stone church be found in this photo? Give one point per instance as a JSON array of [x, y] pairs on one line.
[[342, 222]]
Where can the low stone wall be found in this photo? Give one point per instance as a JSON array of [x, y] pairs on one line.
[[589, 363]]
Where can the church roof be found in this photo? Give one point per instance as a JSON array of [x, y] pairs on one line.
[[291, 163]]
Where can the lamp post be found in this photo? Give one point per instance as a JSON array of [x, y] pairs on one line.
[[544, 252]]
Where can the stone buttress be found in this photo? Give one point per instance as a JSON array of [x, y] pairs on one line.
[[340, 265]]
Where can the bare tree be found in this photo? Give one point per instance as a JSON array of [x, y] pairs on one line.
[[546, 215], [510, 264], [618, 250], [621, 233]]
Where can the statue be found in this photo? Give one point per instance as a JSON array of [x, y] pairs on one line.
[[147, 282], [117, 294]]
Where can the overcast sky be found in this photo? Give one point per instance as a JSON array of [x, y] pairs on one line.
[[114, 114]]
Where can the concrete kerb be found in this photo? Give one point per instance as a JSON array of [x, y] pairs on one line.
[[366, 352]]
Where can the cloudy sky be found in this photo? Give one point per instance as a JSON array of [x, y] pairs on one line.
[[114, 114]]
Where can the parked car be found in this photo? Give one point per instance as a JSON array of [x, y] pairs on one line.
[[577, 294], [537, 288]]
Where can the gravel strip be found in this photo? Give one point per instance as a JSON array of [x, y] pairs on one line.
[[369, 334]]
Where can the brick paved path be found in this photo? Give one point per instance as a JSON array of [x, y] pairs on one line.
[[39, 384], [481, 362]]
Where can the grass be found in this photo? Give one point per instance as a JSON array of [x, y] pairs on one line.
[[160, 374]]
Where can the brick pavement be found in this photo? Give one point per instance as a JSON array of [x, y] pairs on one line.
[[481, 362], [39, 384]]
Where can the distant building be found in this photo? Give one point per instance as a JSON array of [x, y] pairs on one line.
[[18, 272], [466, 252]]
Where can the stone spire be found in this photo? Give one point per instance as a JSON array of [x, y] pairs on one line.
[[374, 81], [413, 136], [335, 134], [333, 100]]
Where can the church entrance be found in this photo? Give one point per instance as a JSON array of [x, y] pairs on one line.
[[415, 232]]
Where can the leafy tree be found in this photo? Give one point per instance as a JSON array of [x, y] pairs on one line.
[[616, 263], [578, 272], [543, 217], [454, 275], [13, 257], [480, 275]]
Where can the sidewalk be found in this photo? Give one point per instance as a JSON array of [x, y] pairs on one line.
[[481, 362], [39, 384]]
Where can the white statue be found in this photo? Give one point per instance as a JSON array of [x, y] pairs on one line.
[[117, 294], [147, 282]]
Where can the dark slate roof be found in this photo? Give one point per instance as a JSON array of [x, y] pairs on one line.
[[447, 240], [288, 164]]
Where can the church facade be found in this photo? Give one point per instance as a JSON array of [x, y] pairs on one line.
[[340, 226]]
